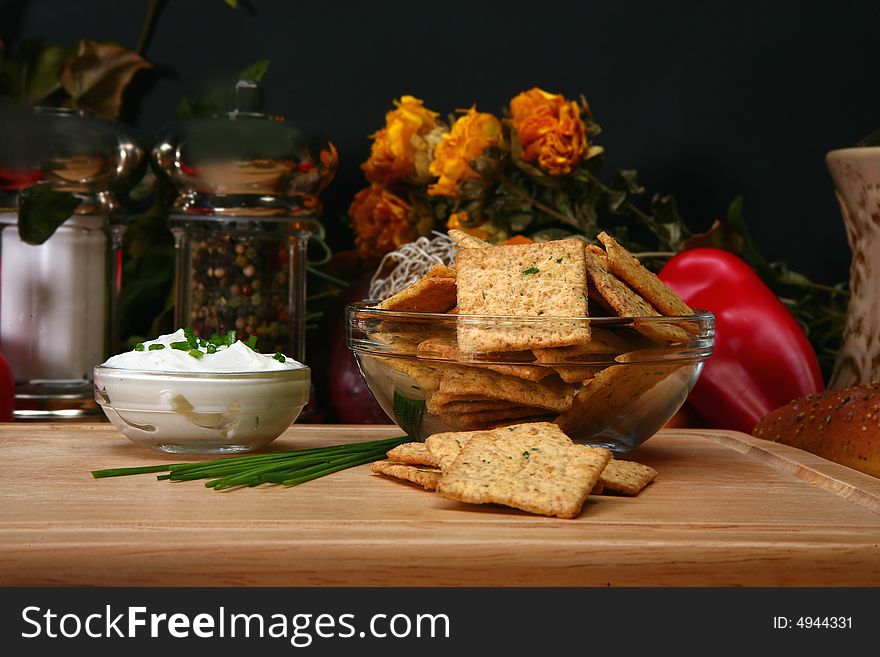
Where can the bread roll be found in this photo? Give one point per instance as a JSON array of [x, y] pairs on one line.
[[839, 425]]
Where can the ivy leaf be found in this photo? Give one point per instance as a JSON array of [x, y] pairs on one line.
[[97, 76], [256, 71], [32, 74], [215, 100], [41, 210]]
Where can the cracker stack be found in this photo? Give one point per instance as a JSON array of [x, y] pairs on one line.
[[534, 467], [538, 358]]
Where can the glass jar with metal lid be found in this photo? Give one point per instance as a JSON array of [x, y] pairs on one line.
[[57, 298], [247, 205]]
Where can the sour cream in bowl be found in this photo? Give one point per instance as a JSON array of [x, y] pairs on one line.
[[183, 394]]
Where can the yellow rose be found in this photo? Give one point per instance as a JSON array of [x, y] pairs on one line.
[[384, 221], [550, 130], [471, 151], [402, 149]]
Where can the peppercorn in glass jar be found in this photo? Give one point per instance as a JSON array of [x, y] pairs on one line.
[[247, 206]]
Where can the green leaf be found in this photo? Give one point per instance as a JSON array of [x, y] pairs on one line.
[[215, 99], [255, 71], [41, 210]]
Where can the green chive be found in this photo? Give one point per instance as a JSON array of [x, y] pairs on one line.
[[182, 346], [156, 347], [139, 346], [252, 342], [211, 347], [289, 468], [281, 358], [230, 337], [530, 270], [195, 353]]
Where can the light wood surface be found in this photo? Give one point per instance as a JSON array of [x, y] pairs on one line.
[[726, 510]]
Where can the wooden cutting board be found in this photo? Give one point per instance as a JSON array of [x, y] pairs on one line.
[[727, 509]]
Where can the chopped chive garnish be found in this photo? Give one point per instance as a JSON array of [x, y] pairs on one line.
[[139, 346], [191, 338], [280, 357], [195, 353], [156, 347], [252, 342], [211, 347], [183, 346], [230, 338], [530, 270]]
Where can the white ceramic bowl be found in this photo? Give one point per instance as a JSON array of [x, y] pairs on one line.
[[202, 413]]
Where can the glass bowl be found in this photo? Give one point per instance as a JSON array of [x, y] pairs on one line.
[[615, 390], [201, 413]]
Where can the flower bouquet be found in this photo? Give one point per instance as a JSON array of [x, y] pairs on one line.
[[532, 173]]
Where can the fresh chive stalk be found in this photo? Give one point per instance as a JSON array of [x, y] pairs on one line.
[[289, 468]]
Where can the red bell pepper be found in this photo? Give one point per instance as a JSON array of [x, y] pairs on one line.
[[762, 358]]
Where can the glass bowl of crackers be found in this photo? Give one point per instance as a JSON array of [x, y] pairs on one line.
[[559, 331]]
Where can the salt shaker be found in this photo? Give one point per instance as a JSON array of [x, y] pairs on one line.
[[57, 299]]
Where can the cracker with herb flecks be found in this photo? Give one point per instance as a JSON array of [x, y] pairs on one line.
[[627, 267], [535, 468], [550, 394], [453, 407], [446, 347], [426, 477], [434, 293], [545, 279], [576, 374], [602, 341], [465, 240], [411, 454], [626, 477], [420, 376], [490, 419], [445, 446], [627, 303], [611, 394]]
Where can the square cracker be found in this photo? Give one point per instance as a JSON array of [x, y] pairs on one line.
[[464, 240], [524, 280], [426, 477], [627, 303], [435, 293], [437, 405], [550, 394], [446, 347], [492, 419], [627, 267], [419, 376], [444, 447], [534, 467], [626, 477], [610, 394], [602, 341], [411, 454]]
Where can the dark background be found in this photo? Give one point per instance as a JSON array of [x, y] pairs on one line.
[[708, 100]]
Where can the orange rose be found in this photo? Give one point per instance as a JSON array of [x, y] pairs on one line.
[[471, 151], [402, 149], [550, 130], [383, 222]]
